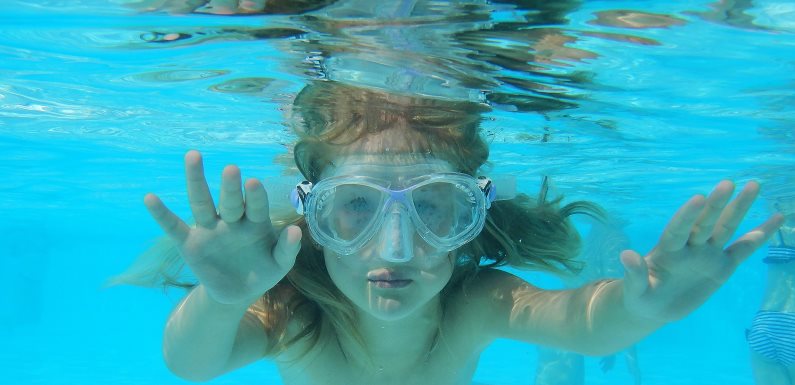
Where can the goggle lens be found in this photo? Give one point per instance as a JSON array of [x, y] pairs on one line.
[[344, 213], [348, 209]]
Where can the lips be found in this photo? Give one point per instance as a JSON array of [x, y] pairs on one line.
[[385, 278]]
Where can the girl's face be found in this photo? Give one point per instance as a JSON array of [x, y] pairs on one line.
[[390, 290]]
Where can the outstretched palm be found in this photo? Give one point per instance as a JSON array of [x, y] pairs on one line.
[[691, 260], [234, 251]]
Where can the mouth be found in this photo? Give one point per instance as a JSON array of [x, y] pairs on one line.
[[387, 279], [390, 284]]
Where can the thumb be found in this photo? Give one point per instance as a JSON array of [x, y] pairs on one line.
[[636, 274], [287, 247]]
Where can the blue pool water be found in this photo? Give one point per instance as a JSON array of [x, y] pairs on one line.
[[636, 115]]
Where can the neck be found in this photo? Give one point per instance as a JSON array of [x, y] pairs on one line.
[[402, 342]]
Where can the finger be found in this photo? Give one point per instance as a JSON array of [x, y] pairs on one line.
[[733, 214], [174, 227], [705, 223], [252, 6], [287, 247], [744, 246], [636, 273], [256, 202], [201, 202], [219, 7], [230, 204], [677, 231]]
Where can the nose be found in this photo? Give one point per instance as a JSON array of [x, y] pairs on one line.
[[397, 235]]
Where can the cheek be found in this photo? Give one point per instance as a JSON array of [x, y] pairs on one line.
[[337, 270], [438, 274], [346, 274]]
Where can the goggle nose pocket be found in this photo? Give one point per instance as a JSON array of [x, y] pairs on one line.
[[397, 235]]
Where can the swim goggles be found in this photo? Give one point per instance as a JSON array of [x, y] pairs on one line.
[[446, 209]]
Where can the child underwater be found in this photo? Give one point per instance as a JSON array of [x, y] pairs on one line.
[[389, 273]]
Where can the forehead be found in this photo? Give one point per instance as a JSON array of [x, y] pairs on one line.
[[390, 167]]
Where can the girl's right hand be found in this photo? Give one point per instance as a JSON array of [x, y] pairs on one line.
[[234, 251]]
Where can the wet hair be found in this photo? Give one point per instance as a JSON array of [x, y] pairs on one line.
[[333, 120]]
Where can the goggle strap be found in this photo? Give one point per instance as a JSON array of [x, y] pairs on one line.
[[504, 187], [489, 190], [298, 196]]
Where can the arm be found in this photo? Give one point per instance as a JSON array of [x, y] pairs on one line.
[[234, 253], [590, 320], [690, 262], [205, 338]]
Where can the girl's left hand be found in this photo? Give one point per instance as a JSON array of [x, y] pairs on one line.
[[691, 260]]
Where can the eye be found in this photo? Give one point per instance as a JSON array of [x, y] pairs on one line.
[[425, 207], [358, 204], [430, 212]]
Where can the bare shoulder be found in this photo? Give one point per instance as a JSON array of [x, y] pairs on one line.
[[487, 303], [493, 286]]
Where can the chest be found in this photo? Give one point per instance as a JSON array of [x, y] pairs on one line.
[[449, 363]]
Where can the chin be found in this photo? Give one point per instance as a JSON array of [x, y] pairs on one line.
[[388, 309], [387, 305]]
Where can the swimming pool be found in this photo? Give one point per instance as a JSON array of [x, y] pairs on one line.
[[633, 104]]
